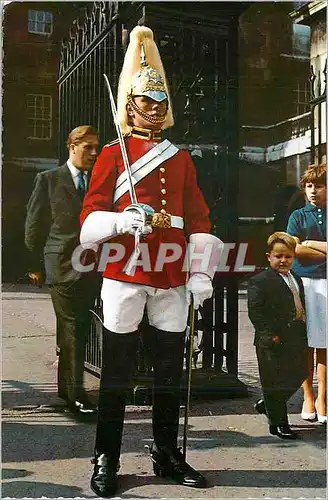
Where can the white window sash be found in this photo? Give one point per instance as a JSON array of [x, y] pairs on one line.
[[37, 106], [38, 21]]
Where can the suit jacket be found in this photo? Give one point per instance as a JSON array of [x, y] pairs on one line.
[[52, 225], [272, 311]]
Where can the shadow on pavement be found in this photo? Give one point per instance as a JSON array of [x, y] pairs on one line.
[[230, 478], [14, 473], [46, 441], [16, 393], [51, 440], [131, 481], [20, 288], [29, 489], [233, 478], [268, 478]]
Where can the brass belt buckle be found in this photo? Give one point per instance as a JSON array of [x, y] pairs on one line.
[[161, 220]]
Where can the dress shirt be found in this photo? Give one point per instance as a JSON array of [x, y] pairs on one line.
[[284, 277], [75, 175]]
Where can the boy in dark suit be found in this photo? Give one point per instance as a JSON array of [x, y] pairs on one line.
[[52, 232], [276, 309]]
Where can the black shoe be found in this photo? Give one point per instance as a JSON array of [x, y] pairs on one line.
[[173, 465], [260, 407], [81, 409], [104, 479], [282, 431]]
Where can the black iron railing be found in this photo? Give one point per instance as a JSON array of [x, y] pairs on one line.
[[318, 113]]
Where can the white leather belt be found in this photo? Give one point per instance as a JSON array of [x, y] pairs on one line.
[[177, 222], [167, 221]]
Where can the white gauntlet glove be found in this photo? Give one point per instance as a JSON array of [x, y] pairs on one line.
[[101, 226], [129, 222], [200, 287]]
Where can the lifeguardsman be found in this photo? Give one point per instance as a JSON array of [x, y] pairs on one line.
[[169, 215]]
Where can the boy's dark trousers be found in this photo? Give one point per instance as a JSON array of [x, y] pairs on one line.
[[282, 369], [165, 350]]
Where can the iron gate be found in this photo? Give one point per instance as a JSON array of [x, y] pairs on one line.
[[318, 113], [199, 51]]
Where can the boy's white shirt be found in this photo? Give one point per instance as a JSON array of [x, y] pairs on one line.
[[284, 277]]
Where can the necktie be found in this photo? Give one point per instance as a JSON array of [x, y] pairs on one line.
[[297, 300], [81, 185]]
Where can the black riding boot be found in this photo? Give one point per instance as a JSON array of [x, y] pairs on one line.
[[118, 361], [167, 349], [172, 464]]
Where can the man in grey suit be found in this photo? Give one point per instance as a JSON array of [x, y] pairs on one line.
[[51, 234]]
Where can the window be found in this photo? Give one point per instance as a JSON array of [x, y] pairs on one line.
[[39, 115], [299, 5], [302, 97], [40, 22], [301, 40]]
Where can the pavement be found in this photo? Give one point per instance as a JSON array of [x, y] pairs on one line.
[[46, 453]]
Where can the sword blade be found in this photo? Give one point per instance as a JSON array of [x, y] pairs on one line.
[[122, 143]]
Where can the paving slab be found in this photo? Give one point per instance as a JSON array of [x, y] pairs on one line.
[[46, 453]]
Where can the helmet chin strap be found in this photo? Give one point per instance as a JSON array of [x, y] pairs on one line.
[[155, 120]]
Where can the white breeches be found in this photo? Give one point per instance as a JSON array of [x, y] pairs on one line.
[[124, 304]]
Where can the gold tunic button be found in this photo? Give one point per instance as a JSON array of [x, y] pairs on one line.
[[162, 169], [163, 202], [163, 191], [162, 180], [163, 211]]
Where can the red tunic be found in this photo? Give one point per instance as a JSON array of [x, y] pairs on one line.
[[183, 198]]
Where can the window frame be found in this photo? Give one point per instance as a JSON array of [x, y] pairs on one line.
[[36, 119], [42, 22], [302, 97]]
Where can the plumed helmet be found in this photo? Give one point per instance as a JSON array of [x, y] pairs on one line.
[[142, 75]]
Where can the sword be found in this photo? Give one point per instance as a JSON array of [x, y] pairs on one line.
[[189, 373], [122, 143], [143, 209]]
